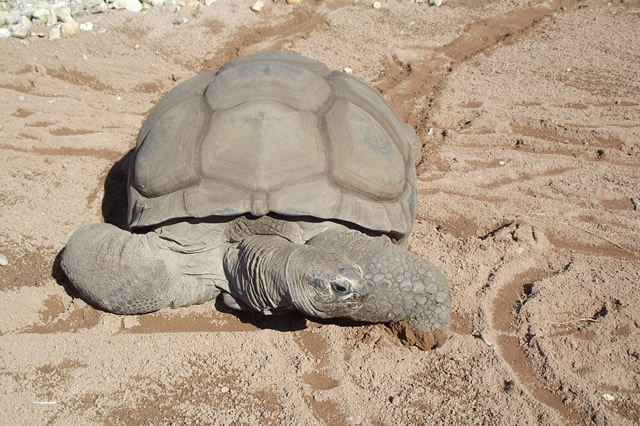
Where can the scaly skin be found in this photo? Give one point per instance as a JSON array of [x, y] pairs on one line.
[[127, 273], [402, 286]]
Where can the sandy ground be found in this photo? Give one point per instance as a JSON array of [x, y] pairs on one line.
[[530, 204]]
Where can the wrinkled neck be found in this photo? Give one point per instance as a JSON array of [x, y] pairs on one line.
[[268, 273], [257, 271]]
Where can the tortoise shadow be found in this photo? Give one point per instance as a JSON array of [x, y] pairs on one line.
[[288, 321], [114, 203], [57, 273]]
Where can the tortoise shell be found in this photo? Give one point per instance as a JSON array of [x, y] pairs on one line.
[[280, 133]]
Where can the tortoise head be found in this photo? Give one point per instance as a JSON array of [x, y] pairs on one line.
[[324, 285]]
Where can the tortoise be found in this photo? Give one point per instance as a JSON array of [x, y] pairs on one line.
[[277, 185]]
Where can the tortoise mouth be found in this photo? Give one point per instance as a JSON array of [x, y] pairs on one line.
[[340, 306]]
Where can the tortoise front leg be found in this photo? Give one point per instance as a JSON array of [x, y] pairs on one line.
[[127, 273]]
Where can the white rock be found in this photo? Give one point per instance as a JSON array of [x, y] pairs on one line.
[[41, 13], [157, 3], [86, 26], [353, 420], [436, 2], [5, 33], [293, 1], [27, 10], [485, 339], [133, 5], [99, 8], [347, 70], [52, 19], [21, 29], [130, 321], [12, 19], [62, 12], [608, 397], [69, 29], [257, 6], [173, 7], [3, 260], [208, 2], [377, 5], [54, 33]]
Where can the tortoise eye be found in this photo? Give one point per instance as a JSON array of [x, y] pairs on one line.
[[339, 288]]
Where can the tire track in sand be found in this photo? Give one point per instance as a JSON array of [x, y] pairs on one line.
[[302, 21], [413, 90]]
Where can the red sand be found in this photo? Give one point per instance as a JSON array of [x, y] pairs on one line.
[[529, 113]]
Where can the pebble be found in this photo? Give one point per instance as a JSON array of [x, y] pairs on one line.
[[293, 1], [377, 5], [17, 16], [22, 29], [3, 260], [485, 339], [133, 5], [353, 420], [130, 321], [436, 2], [54, 33], [224, 389], [12, 19], [100, 7], [257, 6], [62, 12], [42, 14], [173, 7], [69, 29]]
